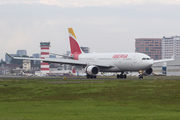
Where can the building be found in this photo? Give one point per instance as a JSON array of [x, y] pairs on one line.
[[8, 68], [44, 54], [36, 55], [66, 66], [26, 65], [170, 47], [8, 59], [172, 68], [85, 49], [149, 46], [21, 52]]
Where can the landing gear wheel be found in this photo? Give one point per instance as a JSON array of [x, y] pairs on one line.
[[124, 76], [91, 76], [118, 76], [140, 76], [121, 76], [88, 76]]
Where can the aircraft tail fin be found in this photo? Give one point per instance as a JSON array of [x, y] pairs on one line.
[[75, 48], [73, 70], [23, 73]]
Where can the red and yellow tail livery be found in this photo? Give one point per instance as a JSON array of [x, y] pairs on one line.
[[75, 48]]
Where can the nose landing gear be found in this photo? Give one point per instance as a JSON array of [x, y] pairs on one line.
[[141, 74]]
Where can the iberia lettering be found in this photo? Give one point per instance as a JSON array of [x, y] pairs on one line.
[[120, 56]]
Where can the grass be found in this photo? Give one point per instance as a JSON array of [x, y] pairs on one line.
[[151, 98]]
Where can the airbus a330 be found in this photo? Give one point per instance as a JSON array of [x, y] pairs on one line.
[[104, 62]]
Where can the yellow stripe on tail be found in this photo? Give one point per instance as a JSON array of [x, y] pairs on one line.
[[72, 32]]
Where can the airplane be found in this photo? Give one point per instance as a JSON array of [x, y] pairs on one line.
[[27, 74], [104, 62]]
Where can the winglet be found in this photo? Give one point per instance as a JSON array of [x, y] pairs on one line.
[[9, 55]]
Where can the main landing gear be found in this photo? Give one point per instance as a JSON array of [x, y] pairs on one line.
[[91, 76], [121, 76]]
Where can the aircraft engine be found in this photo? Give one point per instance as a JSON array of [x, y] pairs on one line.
[[92, 70], [148, 71]]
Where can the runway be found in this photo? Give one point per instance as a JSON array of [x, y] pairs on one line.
[[69, 77], [84, 78]]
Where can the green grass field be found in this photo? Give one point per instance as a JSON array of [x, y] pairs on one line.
[[151, 98]]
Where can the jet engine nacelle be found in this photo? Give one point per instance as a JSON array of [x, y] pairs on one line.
[[92, 70], [148, 71]]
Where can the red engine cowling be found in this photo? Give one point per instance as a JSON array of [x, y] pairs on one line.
[[92, 70]]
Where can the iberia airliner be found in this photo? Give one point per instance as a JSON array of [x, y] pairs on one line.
[[104, 62]]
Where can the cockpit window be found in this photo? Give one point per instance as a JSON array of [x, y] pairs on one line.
[[146, 58]]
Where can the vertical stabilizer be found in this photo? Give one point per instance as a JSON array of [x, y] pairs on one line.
[[75, 48]]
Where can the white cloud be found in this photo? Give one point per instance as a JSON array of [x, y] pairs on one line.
[[87, 3]]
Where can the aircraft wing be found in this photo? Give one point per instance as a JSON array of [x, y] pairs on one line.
[[164, 60], [65, 56], [64, 61]]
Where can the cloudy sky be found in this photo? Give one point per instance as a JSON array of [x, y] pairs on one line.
[[102, 25]]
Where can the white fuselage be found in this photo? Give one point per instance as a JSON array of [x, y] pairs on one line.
[[119, 61]]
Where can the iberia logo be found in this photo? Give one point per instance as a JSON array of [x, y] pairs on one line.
[[120, 56]]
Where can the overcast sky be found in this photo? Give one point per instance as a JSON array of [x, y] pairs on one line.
[[102, 25]]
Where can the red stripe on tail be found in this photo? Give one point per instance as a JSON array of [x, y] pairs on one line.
[[74, 46]]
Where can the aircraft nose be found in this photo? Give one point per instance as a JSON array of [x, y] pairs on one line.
[[150, 63]]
